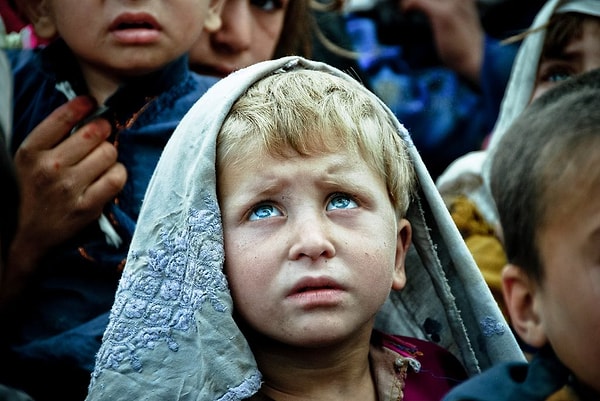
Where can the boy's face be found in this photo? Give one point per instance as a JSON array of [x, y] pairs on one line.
[[312, 245], [249, 33], [127, 37], [567, 302], [580, 55]]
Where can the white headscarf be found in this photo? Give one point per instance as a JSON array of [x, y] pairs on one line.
[[171, 334], [469, 174]]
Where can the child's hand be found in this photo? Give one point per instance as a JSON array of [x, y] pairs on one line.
[[458, 33], [65, 181]]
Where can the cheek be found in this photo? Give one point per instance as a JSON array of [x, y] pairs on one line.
[[188, 33], [267, 36], [378, 265], [246, 267], [540, 89], [199, 51]]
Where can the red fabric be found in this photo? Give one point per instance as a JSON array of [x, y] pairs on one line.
[[12, 20], [440, 370]]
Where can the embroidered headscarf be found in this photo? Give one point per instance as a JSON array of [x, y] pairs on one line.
[[171, 334], [469, 175]]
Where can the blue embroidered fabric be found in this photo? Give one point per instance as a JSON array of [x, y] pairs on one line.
[[164, 297]]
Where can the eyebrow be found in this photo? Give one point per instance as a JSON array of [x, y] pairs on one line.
[[560, 56], [561, 52]]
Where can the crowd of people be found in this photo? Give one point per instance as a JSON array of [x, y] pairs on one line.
[[299, 199]]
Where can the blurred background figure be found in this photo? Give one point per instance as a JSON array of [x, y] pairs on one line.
[[562, 42], [17, 32], [439, 65], [10, 188], [91, 113], [254, 31]]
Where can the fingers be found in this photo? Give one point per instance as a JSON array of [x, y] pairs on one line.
[[66, 179], [59, 123], [103, 189], [84, 141]]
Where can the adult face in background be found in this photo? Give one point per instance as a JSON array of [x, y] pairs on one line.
[[249, 33]]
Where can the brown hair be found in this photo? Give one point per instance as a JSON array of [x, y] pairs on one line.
[[300, 28]]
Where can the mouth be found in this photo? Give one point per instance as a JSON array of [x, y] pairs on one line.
[[313, 284], [134, 21]]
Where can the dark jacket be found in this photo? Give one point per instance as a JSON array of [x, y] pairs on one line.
[[537, 380]]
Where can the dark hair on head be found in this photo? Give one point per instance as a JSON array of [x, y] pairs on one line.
[[551, 147], [301, 28], [295, 38], [562, 29]]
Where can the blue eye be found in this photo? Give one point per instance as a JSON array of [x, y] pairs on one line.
[[558, 76], [341, 201], [264, 211], [555, 72]]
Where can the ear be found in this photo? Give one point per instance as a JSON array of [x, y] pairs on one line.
[[213, 20], [402, 245], [38, 13], [520, 295]]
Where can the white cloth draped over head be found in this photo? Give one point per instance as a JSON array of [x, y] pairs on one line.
[[171, 334], [469, 175]]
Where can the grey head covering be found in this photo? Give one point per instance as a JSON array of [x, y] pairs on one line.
[[171, 334], [469, 174]]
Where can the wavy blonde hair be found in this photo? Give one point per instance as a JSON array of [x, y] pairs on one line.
[[307, 112]]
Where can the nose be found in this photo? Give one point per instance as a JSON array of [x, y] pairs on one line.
[[235, 34], [312, 238]]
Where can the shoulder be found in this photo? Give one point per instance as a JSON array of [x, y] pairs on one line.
[[495, 384], [536, 380], [24, 61], [203, 81], [186, 92]]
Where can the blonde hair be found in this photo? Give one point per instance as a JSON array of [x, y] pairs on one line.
[[307, 112]]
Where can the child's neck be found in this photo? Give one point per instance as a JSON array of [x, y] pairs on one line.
[[100, 85], [340, 372]]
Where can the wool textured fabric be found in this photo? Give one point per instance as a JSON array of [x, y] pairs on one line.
[[171, 334]]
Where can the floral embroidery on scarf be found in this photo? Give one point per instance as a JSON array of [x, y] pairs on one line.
[[170, 284], [491, 326]]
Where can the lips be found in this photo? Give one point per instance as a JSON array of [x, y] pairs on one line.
[[136, 29], [128, 21], [315, 284]]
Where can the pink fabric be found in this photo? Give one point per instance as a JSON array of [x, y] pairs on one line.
[[440, 370]]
